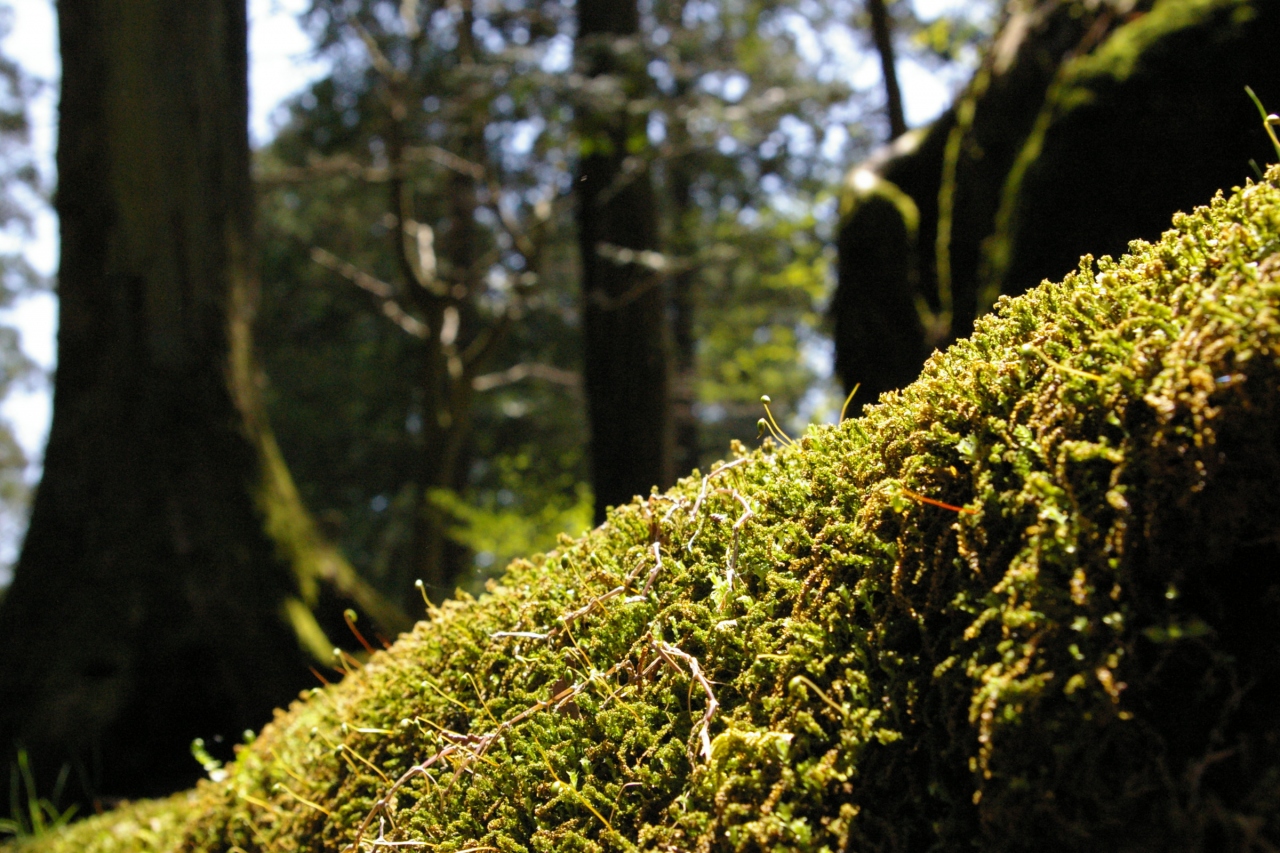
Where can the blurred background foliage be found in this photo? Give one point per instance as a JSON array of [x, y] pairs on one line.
[[21, 190], [463, 113], [753, 115]]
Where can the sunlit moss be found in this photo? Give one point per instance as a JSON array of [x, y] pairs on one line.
[[1078, 654]]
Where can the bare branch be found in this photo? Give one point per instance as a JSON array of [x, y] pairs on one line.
[[527, 370], [650, 260], [376, 56], [344, 165], [448, 159], [375, 286]]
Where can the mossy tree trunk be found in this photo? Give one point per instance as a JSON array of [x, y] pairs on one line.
[[625, 336], [1087, 125], [166, 587]]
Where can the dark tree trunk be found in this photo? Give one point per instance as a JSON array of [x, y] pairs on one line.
[[882, 35], [150, 606], [1082, 129], [625, 336], [684, 279]]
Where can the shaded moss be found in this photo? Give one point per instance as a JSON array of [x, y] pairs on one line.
[[1026, 601]]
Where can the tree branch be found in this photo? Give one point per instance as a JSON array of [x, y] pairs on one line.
[[375, 286]]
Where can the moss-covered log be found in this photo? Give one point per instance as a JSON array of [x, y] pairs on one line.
[[1027, 602]]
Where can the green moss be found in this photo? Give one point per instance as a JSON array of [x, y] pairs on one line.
[[1077, 654]]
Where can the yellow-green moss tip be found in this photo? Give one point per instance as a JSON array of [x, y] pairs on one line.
[[1028, 601]]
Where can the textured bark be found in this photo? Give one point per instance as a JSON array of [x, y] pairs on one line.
[[149, 605], [625, 336]]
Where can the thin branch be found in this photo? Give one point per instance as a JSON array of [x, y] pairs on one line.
[[650, 260], [445, 158], [375, 286], [527, 370], [344, 165], [376, 56], [602, 300], [882, 34]]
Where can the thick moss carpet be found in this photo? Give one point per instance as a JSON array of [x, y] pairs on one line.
[[1031, 601]]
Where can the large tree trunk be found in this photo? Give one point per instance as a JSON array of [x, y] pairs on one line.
[[626, 341], [149, 605]]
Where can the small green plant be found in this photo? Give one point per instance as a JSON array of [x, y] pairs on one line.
[[1269, 123], [211, 765], [37, 815], [771, 426]]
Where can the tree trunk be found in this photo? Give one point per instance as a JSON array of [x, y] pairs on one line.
[[882, 35], [150, 604], [683, 236], [625, 337]]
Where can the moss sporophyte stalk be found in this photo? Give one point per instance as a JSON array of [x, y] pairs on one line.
[[944, 625]]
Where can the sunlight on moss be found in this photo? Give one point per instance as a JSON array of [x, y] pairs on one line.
[[1025, 600]]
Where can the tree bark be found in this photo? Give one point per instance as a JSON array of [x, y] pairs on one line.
[[625, 337], [166, 587]]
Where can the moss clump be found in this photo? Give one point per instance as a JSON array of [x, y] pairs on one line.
[[1029, 600]]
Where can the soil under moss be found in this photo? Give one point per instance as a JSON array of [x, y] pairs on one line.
[[1030, 600]]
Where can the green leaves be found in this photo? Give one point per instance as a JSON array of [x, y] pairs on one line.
[[31, 815]]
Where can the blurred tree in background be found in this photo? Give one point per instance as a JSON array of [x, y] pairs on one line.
[[418, 282], [422, 300], [170, 585]]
